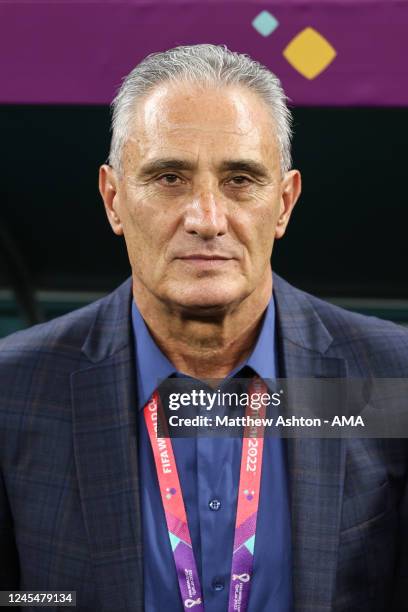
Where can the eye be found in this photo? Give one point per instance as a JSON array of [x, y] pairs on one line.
[[168, 179], [240, 180]]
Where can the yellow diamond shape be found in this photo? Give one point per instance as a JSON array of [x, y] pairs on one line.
[[309, 53]]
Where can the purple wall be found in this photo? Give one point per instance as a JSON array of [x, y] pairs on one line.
[[77, 52]]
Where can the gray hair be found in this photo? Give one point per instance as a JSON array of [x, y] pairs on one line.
[[201, 64]]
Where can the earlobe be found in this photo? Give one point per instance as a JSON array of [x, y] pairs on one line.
[[281, 226], [114, 217]]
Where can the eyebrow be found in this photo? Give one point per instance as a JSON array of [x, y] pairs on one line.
[[158, 165], [245, 165], [236, 165]]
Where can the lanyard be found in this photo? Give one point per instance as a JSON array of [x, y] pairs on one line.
[[247, 507]]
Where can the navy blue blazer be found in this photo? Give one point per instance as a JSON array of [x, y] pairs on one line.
[[69, 483]]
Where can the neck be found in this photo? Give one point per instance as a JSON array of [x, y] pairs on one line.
[[208, 347]]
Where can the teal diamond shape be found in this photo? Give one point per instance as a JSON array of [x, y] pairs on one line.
[[265, 23], [174, 540], [250, 544]]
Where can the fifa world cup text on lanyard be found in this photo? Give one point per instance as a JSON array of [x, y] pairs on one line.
[[247, 507]]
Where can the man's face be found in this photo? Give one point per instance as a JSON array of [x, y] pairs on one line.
[[201, 197]]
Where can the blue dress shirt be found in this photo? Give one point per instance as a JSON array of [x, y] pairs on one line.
[[209, 473]]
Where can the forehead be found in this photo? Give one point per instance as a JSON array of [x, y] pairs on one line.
[[205, 123]]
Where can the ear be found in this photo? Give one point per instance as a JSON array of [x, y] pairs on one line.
[[108, 188], [291, 187]]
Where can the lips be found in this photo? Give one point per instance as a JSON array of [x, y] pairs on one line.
[[204, 261], [205, 257]]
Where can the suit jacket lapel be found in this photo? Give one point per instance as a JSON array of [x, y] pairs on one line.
[[105, 446], [316, 466]]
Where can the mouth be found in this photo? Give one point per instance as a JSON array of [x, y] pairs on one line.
[[205, 257], [204, 260]]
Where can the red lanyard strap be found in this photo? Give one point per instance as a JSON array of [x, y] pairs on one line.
[[247, 506]]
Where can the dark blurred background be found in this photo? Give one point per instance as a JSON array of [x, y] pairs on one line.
[[346, 241]]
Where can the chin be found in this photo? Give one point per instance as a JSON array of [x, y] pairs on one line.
[[208, 301]]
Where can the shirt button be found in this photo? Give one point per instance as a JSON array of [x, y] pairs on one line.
[[218, 585], [215, 505]]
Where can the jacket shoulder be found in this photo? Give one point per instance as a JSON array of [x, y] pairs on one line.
[[372, 346], [343, 324], [63, 335], [36, 365], [375, 346], [346, 325], [46, 354]]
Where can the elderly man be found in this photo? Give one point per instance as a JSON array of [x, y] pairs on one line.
[[199, 183]]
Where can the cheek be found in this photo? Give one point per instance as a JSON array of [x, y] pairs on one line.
[[137, 233], [148, 230], [256, 230], [267, 230], [136, 213]]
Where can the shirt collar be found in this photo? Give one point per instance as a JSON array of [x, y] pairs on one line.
[[263, 359], [152, 366]]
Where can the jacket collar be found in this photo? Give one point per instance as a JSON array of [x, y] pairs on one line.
[[298, 321]]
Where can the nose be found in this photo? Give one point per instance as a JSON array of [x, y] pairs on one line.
[[205, 216]]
